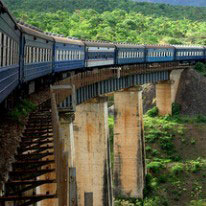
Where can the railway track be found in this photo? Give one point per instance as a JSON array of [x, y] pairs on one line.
[[32, 178]]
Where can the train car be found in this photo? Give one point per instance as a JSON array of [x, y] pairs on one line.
[[159, 53], [185, 53], [130, 53], [69, 54], [99, 54], [37, 52], [9, 53]]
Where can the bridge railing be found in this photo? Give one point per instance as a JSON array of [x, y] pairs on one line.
[[61, 156]]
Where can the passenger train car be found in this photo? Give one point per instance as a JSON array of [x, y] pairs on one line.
[[159, 53], [28, 54], [9, 53], [69, 54], [183, 52], [129, 54], [37, 54], [99, 54]]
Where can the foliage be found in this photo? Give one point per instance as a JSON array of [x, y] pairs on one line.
[[177, 169], [22, 110], [176, 108], [100, 6], [111, 137], [128, 202], [155, 201], [117, 26], [201, 68], [153, 112], [198, 203], [154, 166]]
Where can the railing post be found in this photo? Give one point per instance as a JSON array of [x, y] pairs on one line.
[[72, 187]]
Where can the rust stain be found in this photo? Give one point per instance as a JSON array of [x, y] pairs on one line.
[[89, 132]]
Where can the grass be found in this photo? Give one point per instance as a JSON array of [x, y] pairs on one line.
[[23, 108]]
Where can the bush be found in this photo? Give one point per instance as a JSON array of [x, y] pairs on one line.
[[198, 203], [177, 169], [166, 144], [153, 112], [195, 167], [200, 67], [155, 166], [176, 109], [156, 201], [22, 110]]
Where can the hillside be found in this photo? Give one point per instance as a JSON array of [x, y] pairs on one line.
[[198, 3], [147, 9]]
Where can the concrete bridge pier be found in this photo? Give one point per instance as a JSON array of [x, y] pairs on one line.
[[91, 158], [166, 92], [129, 151]]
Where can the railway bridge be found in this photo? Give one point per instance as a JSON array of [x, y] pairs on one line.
[[78, 168], [80, 123], [63, 158]]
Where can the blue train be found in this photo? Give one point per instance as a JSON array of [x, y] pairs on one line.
[[28, 54]]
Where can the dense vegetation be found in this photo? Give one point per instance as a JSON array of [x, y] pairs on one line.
[[179, 2], [176, 176], [115, 20], [118, 25], [147, 9]]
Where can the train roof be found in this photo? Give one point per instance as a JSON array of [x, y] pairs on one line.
[[65, 40], [159, 46], [188, 47], [133, 46], [98, 44], [34, 32]]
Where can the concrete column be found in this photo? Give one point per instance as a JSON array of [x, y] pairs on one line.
[[129, 155], [166, 92], [90, 140], [164, 97]]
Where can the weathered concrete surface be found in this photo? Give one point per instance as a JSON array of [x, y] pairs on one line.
[[175, 77], [166, 92], [90, 140], [129, 166], [164, 97]]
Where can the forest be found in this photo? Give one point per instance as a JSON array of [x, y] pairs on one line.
[[115, 20], [178, 2], [118, 26], [147, 9]]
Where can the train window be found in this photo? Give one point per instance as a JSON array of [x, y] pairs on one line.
[[63, 56], [8, 52], [67, 55], [37, 54], [42, 55], [79, 55], [30, 55], [57, 55], [1, 49], [49, 55], [27, 54], [46, 55], [4, 50], [49, 51]]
